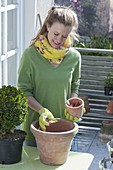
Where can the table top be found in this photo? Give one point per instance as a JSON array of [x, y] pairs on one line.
[[31, 161]]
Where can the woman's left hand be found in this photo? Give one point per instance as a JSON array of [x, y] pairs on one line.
[[74, 119]]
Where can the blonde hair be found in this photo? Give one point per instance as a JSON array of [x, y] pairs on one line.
[[61, 14]]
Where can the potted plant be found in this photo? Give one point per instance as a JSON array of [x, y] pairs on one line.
[[108, 84], [13, 109], [54, 143]]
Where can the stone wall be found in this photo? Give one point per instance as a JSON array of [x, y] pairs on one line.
[[103, 25], [105, 16]]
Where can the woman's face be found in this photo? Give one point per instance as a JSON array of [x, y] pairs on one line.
[[57, 34]]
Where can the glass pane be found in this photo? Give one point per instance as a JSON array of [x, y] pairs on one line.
[[12, 70], [1, 2], [2, 33], [12, 29], [3, 72], [11, 2]]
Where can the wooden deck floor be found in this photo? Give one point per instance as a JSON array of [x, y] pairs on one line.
[[88, 141]]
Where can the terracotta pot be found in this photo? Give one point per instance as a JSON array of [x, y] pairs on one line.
[[109, 109], [54, 144], [106, 131], [74, 107], [86, 103]]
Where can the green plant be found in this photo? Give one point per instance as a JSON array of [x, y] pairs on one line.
[[95, 42], [109, 80], [13, 109]]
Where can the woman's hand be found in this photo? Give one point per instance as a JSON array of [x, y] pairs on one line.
[[69, 117], [74, 119], [45, 117]]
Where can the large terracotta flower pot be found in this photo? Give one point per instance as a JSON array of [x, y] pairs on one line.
[[54, 143], [74, 107]]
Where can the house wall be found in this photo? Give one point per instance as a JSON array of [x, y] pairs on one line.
[[105, 16], [104, 21], [32, 7]]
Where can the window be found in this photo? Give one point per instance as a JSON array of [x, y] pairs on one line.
[[10, 38], [17, 28]]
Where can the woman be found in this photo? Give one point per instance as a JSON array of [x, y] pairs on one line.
[[49, 71]]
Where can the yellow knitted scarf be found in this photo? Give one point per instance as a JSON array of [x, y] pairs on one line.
[[55, 56]]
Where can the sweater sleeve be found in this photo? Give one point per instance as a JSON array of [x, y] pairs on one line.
[[76, 74], [24, 74]]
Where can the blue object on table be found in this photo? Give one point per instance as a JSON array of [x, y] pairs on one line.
[[74, 145]]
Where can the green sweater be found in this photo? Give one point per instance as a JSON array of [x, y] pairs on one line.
[[50, 86]]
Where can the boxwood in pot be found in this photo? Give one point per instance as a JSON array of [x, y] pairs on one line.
[[13, 110], [108, 84]]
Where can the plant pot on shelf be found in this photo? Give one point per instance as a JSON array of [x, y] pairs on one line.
[[54, 143], [108, 84], [86, 103], [108, 91], [106, 131], [109, 109]]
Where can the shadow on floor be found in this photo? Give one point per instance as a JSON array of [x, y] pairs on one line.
[[88, 141]]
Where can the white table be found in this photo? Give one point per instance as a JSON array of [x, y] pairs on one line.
[[31, 161]]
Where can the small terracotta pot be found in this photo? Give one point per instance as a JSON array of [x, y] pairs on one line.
[[74, 107], [109, 109], [55, 143]]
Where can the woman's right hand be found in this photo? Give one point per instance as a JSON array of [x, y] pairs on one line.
[[45, 117]]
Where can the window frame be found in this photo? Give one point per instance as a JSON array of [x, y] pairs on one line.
[[17, 51]]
